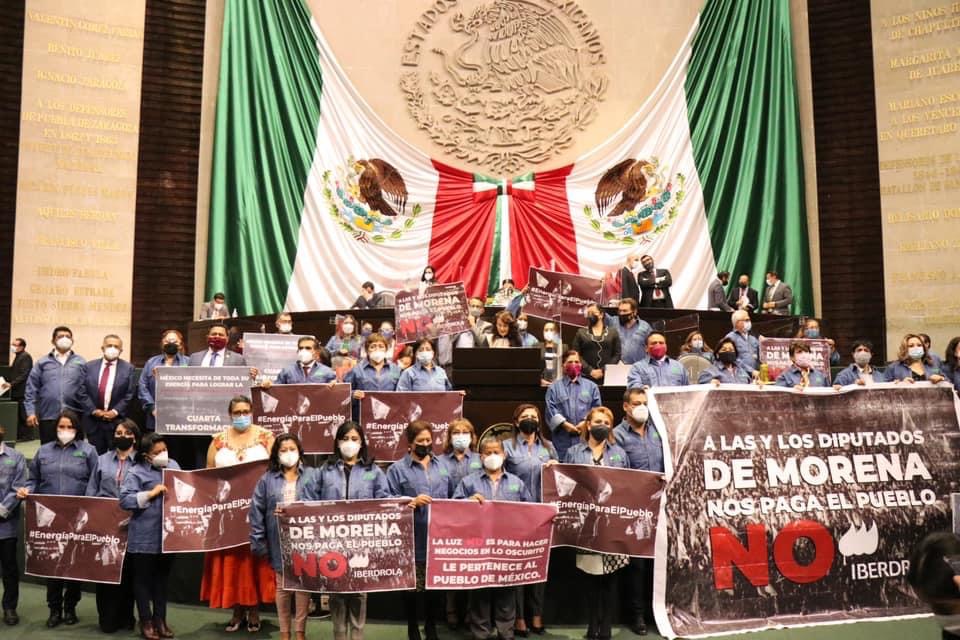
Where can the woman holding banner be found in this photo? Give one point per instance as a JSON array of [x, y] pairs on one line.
[[913, 363], [350, 474], [424, 374], [345, 342], [235, 578], [140, 494], [171, 355], [599, 448], [286, 480], [423, 477], [527, 453]]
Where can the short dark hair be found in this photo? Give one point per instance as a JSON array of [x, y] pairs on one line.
[[930, 575], [23, 343], [74, 419], [629, 301], [367, 285], [799, 346], [274, 462], [861, 342], [363, 456], [214, 325], [219, 296], [422, 341], [239, 399], [723, 274], [568, 353], [414, 429], [774, 274], [724, 341], [132, 427], [57, 330], [316, 343], [655, 333], [632, 391], [147, 443]]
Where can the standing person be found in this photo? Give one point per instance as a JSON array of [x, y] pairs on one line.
[[695, 345], [951, 362], [171, 355], [284, 323], [930, 352], [632, 330], [726, 368], [215, 309], [424, 374], [552, 350], [350, 474], [860, 371], [748, 347], [913, 363], [743, 296], [492, 607], [62, 467], [427, 278], [19, 372], [657, 369], [235, 578], [778, 296], [309, 367], [597, 344], [802, 374], [115, 602], [13, 476], [108, 390], [286, 480], [345, 342], [629, 287], [527, 452], [393, 348], [422, 477], [505, 333], [216, 354], [478, 325], [654, 285], [716, 294], [811, 331], [375, 372], [141, 493], [598, 447], [637, 436], [568, 400], [527, 339], [55, 383]]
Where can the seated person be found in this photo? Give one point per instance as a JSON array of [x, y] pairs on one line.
[[802, 374], [367, 299], [811, 331], [215, 309], [505, 333], [695, 345], [506, 293], [861, 371], [657, 369], [913, 363], [726, 369]]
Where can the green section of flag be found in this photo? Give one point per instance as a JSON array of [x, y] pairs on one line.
[[745, 128], [268, 107]]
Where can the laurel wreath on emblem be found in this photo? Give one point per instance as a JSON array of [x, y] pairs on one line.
[[648, 202], [367, 198]]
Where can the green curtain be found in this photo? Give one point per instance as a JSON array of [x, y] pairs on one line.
[[745, 128], [268, 107]]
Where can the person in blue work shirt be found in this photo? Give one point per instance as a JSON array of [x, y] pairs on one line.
[[55, 383], [13, 476], [350, 474], [633, 331], [345, 342], [527, 452], [860, 371], [62, 467], [374, 373], [309, 367], [492, 608], [115, 601], [913, 363], [811, 331], [142, 495], [568, 400], [424, 374], [171, 355], [748, 347], [526, 338], [644, 448], [597, 444], [286, 480], [657, 369], [726, 368], [423, 477], [802, 373]]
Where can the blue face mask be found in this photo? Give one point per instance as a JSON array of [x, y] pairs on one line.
[[811, 333], [241, 423]]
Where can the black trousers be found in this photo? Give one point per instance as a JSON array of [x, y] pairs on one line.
[[493, 608], [601, 594], [48, 431], [530, 600], [151, 573], [639, 575], [11, 573], [115, 602], [62, 595]]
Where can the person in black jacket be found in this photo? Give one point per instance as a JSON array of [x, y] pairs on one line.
[[19, 371], [654, 285], [933, 574]]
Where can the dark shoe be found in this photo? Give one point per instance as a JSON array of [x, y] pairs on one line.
[[10, 617], [148, 631], [162, 629], [70, 617], [521, 633], [430, 631], [538, 630], [54, 620], [413, 631], [639, 628]]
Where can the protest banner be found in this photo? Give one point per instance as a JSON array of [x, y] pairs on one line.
[[493, 544], [312, 412], [560, 297], [206, 509], [194, 401], [604, 509], [386, 414], [270, 353], [440, 310], [794, 508], [75, 538], [347, 546], [775, 353]]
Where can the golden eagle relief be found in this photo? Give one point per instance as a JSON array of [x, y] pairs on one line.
[[627, 179], [378, 182]]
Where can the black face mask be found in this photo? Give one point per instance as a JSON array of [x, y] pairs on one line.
[[122, 443], [648, 267], [626, 318], [743, 285], [421, 450], [528, 426], [727, 357], [599, 433], [593, 319], [171, 348]]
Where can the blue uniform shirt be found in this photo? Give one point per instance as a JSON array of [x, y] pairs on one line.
[[652, 373], [365, 377], [644, 452], [147, 385], [63, 471], [851, 374], [106, 481], [748, 350], [363, 483], [526, 462], [407, 477], [528, 339], [13, 475], [613, 455], [569, 400], [293, 374], [633, 340], [264, 528], [53, 387], [146, 524], [901, 370], [460, 469], [735, 375], [793, 376], [419, 378], [509, 488]]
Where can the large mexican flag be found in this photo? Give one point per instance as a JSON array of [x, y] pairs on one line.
[[313, 193]]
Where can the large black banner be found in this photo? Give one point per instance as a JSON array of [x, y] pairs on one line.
[[194, 400], [790, 508]]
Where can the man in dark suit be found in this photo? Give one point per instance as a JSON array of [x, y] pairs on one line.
[[743, 296], [109, 386], [717, 297], [628, 278], [654, 285], [19, 371], [216, 354]]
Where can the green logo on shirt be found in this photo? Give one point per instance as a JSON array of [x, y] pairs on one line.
[[369, 475], [79, 454], [9, 462], [514, 487]]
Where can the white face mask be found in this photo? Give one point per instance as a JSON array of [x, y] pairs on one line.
[[549, 336], [285, 327], [460, 441], [696, 344], [425, 357], [66, 436], [747, 326], [803, 359], [640, 413], [305, 356], [218, 305], [64, 343], [111, 353], [349, 448], [493, 462], [348, 328], [377, 356], [522, 325], [13, 349], [289, 459], [161, 460]]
